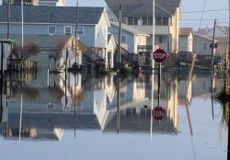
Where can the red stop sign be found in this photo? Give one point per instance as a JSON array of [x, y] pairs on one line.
[[158, 113], [159, 55]]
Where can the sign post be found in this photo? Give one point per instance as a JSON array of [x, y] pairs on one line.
[[159, 57]]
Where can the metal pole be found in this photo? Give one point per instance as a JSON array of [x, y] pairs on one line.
[[153, 34], [213, 45], [120, 35], [22, 14], [8, 19]]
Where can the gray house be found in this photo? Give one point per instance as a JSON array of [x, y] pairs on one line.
[[47, 20], [92, 28]]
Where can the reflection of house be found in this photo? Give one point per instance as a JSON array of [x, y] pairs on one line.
[[138, 14], [131, 37], [186, 40], [5, 51], [44, 116]]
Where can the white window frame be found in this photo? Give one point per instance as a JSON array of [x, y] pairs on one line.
[[49, 29], [82, 30], [71, 30]]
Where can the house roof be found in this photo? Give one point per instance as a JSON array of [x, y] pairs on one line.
[[185, 31], [207, 30], [203, 36], [50, 14], [144, 7], [129, 29]]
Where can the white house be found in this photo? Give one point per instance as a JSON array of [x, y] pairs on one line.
[[186, 40], [131, 38], [138, 14], [201, 44], [37, 2]]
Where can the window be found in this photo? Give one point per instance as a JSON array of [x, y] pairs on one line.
[[150, 20], [51, 30], [130, 20], [162, 21], [136, 20], [124, 39], [158, 21], [67, 30], [162, 39], [145, 20], [205, 46], [80, 30], [165, 21]]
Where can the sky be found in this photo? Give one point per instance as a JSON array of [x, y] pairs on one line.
[[187, 19]]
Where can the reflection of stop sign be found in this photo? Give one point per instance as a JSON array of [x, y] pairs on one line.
[[159, 55], [158, 113]]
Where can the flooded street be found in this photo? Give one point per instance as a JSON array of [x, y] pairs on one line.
[[74, 116]]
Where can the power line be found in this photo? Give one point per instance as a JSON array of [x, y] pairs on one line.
[[200, 11], [207, 19]]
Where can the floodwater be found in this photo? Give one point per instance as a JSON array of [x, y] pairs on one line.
[[75, 116]]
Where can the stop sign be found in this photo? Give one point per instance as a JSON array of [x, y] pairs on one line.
[[158, 113], [159, 55]]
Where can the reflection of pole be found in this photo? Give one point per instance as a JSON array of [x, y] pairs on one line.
[[152, 99], [212, 96], [187, 93], [159, 85], [228, 152], [74, 103], [118, 104]]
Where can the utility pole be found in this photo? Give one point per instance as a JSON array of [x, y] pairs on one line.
[[213, 46], [8, 19], [120, 35], [76, 33]]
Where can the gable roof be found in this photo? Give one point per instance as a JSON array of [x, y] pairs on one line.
[[49, 14], [143, 7], [185, 31]]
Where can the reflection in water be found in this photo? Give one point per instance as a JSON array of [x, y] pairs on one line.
[[109, 104]]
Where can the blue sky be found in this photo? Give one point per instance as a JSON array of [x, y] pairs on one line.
[[188, 19]]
